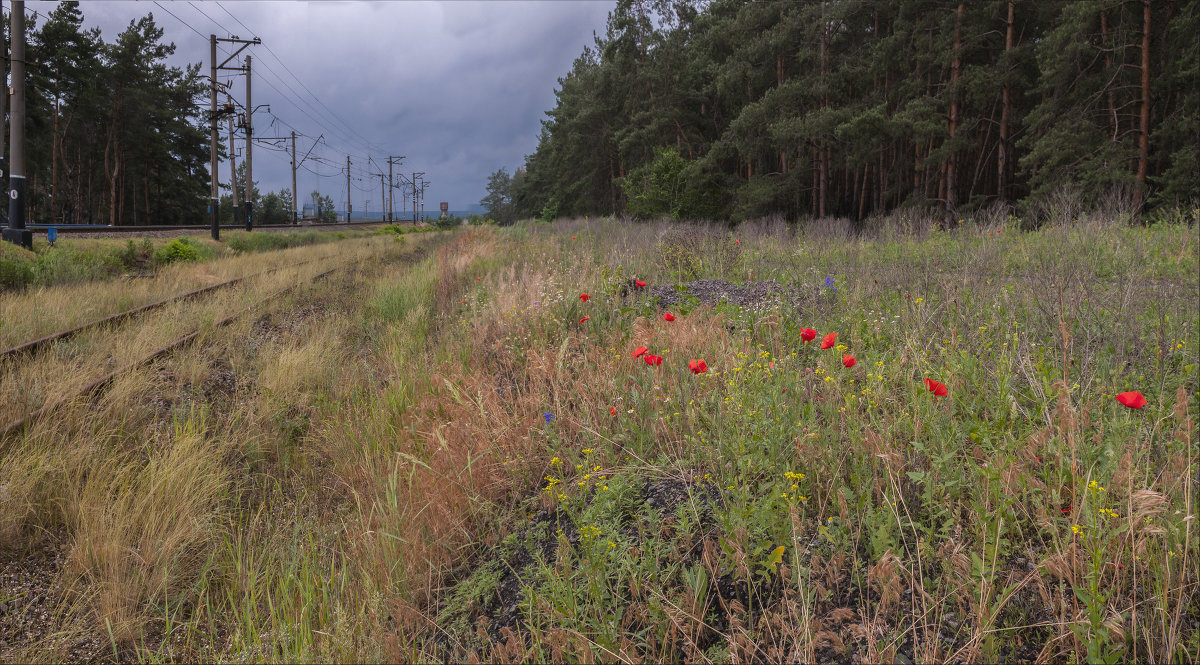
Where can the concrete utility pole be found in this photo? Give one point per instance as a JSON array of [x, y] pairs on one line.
[[295, 196], [213, 198], [382, 196], [249, 152], [16, 232], [349, 205], [3, 113], [393, 160], [233, 170]]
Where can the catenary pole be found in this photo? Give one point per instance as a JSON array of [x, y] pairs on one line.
[[213, 198], [16, 232], [233, 171], [295, 197], [249, 152]]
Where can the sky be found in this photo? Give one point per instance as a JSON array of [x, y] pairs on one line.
[[458, 88]]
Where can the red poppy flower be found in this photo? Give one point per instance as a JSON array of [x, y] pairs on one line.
[[1067, 510], [736, 241], [640, 351], [572, 237], [808, 335], [668, 317], [584, 319], [697, 366], [829, 341], [584, 296], [478, 279], [639, 283], [612, 410], [938, 389], [1132, 399], [652, 359], [848, 360]]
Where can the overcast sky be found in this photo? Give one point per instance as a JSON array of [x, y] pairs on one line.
[[459, 88]]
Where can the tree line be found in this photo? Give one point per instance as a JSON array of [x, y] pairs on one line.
[[113, 134], [735, 109]]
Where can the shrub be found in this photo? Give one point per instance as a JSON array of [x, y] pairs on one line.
[[179, 249]]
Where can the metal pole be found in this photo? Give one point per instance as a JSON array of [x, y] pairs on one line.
[[295, 196], [233, 171], [391, 186], [249, 152], [349, 205], [382, 197], [16, 232], [213, 198]]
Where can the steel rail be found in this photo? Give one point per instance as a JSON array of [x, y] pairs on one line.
[[98, 384], [30, 347], [68, 229]]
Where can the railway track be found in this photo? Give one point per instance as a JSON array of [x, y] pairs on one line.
[[32, 347], [75, 229], [93, 363]]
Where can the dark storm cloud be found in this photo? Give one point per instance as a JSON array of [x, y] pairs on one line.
[[459, 88]]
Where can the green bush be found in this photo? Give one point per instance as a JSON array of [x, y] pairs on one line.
[[179, 249]]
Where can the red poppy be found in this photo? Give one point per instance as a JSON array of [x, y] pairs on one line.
[[808, 335], [640, 351], [1132, 399], [478, 279], [584, 296], [668, 317], [652, 359], [697, 366], [639, 283], [829, 341], [1067, 510], [572, 237], [584, 319], [938, 389], [736, 241], [612, 410], [848, 360]]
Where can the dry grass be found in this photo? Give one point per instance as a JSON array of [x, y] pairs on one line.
[[392, 457]]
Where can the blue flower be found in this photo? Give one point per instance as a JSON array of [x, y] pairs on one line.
[[829, 283], [549, 417]]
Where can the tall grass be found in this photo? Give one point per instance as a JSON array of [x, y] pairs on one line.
[[439, 459]]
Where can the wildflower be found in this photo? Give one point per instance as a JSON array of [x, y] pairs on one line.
[[584, 296], [653, 360], [639, 352], [841, 347], [848, 360], [808, 335], [697, 366], [612, 410], [584, 319], [1066, 510], [1132, 399], [639, 284], [829, 341], [668, 317], [829, 284], [549, 417], [736, 241], [938, 389]]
